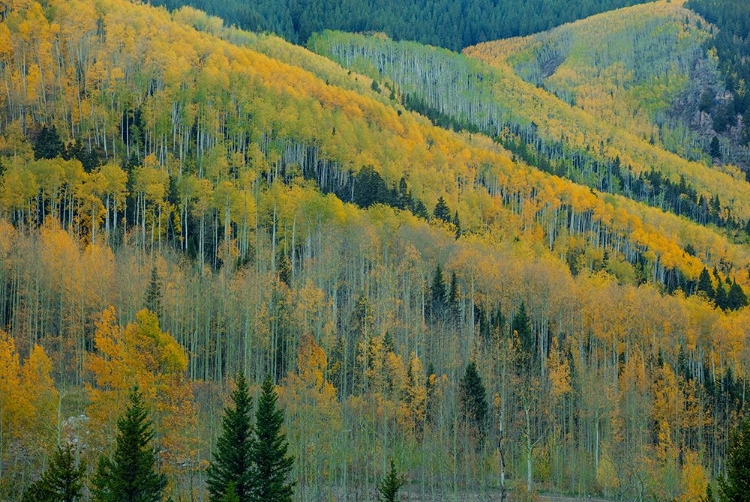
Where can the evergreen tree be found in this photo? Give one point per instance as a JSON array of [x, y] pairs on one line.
[[715, 148], [129, 476], [437, 291], [736, 298], [705, 284], [48, 144], [230, 473], [284, 269], [721, 296], [390, 485], [522, 326], [441, 211], [269, 450], [473, 403], [457, 224], [709, 494], [61, 482], [453, 292], [735, 487], [153, 293]]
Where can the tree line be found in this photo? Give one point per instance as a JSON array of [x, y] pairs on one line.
[[454, 25]]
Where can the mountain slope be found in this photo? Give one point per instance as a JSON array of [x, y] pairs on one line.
[[437, 22], [643, 69], [282, 215]]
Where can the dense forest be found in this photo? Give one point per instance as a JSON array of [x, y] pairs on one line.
[[443, 23], [731, 45], [460, 93], [185, 205]]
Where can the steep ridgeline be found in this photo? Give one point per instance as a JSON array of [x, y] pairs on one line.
[[443, 23], [180, 205], [544, 131], [643, 69]]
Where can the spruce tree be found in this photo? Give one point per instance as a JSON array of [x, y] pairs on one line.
[[736, 298], [453, 291], [61, 482], [735, 487], [522, 325], [153, 293], [705, 284], [48, 144], [437, 290], [230, 473], [130, 475], [441, 211], [269, 451], [390, 485], [473, 403], [457, 225]]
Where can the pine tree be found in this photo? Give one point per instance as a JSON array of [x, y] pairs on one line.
[[453, 292], [736, 298], [438, 290], [715, 148], [269, 451], [129, 476], [522, 326], [473, 402], [721, 296], [48, 144], [61, 482], [441, 211], [230, 473], [735, 487], [705, 285], [153, 293], [390, 485]]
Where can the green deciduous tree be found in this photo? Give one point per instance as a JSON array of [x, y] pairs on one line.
[[230, 475], [130, 474], [269, 451]]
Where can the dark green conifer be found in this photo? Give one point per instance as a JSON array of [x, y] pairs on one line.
[[437, 290], [230, 472], [721, 296], [473, 402], [390, 485], [736, 298], [130, 474], [522, 325], [705, 284], [269, 450], [735, 487], [153, 293], [441, 211], [715, 148], [453, 292], [62, 481], [48, 144]]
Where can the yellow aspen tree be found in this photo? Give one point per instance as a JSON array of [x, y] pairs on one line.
[[143, 355]]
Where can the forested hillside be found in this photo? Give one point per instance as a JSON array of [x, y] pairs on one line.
[[443, 23], [543, 130], [643, 69], [182, 202], [731, 46]]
